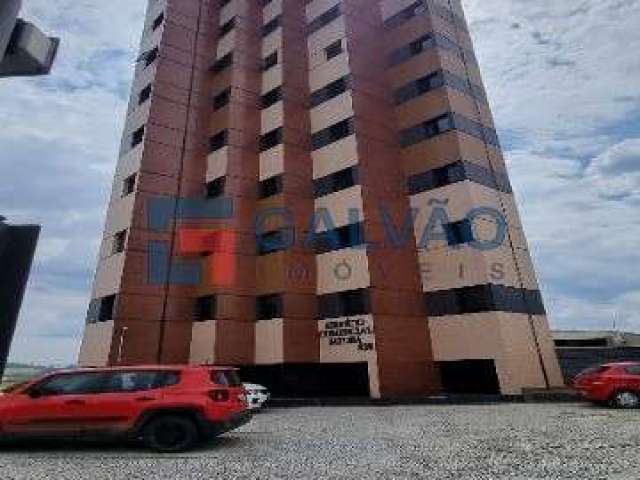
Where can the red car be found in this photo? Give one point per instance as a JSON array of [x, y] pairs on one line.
[[617, 384], [169, 408]]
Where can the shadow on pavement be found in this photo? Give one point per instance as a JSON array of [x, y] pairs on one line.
[[108, 448]]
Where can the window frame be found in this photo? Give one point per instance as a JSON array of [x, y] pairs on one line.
[[129, 185], [274, 303], [333, 50], [107, 308], [205, 308], [119, 242]]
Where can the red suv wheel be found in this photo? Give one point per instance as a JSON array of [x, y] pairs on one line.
[[170, 433]]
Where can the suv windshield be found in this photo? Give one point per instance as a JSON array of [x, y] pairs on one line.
[[230, 378]]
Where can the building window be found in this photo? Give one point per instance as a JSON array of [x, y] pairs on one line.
[[344, 304], [227, 27], [270, 187], [273, 242], [222, 63], [457, 172], [270, 61], [484, 298], [215, 188], [418, 87], [421, 7], [333, 50], [423, 43], [158, 21], [459, 233], [107, 308], [325, 19], [414, 48], [272, 26], [218, 141], [271, 139], [150, 56], [137, 137], [271, 98], [265, 2], [269, 307], [129, 185], [430, 82], [119, 242], [144, 95], [348, 236], [437, 80], [224, 3], [426, 42], [335, 182], [331, 90], [332, 134], [444, 123], [426, 130], [222, 99], [205, 308]]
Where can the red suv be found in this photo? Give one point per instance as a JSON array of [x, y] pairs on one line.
[[613, 383], [169, 408]]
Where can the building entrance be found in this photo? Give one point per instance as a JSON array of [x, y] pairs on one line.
[[311, 380], [469, 377]]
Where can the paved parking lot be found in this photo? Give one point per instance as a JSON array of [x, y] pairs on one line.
[[485, 441]]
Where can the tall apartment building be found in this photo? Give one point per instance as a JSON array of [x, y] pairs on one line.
[[374, 246]]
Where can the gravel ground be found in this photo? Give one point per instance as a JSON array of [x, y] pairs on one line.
[[515, 441]]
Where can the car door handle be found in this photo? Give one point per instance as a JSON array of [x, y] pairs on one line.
[[145, 399], [75, 402]]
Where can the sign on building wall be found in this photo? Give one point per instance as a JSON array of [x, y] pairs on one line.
[[347, 339]]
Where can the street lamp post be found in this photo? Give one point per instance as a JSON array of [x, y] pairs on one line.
[[123, 333]]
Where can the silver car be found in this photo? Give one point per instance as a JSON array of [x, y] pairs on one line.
[[257, 395]]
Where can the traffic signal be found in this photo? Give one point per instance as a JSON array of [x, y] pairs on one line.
[[24, 49]]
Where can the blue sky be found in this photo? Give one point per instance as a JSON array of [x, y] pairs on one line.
[[562, 78]]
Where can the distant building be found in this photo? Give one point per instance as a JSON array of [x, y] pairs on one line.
[[580, 349]]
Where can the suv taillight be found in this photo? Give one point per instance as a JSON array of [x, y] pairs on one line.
[[219, 395]]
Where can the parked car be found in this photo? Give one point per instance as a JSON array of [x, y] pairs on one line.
[[257, 395], [617, 384], [168, 408]]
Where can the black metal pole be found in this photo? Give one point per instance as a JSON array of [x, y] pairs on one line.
[[17, 248]]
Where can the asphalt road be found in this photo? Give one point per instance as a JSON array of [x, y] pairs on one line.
[[515, 441]]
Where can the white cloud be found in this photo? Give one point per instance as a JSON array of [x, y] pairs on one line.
[[621, 158], [616, 171], [559, 72]]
